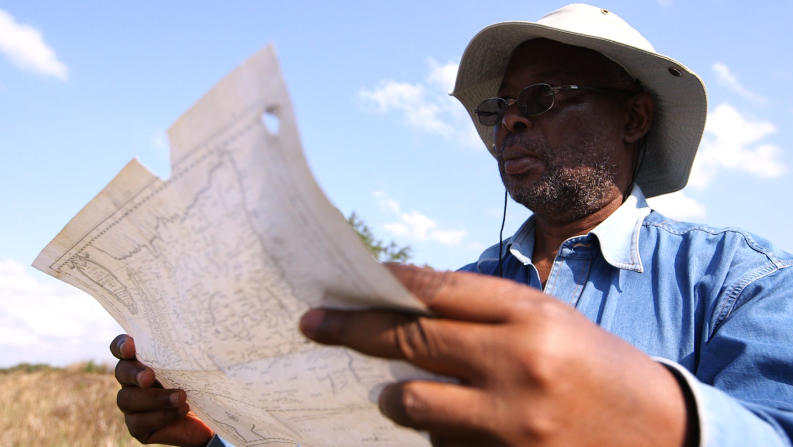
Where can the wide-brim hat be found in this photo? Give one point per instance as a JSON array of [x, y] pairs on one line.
[[681, 102]]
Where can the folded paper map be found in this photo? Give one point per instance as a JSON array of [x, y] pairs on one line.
[[211, 270]]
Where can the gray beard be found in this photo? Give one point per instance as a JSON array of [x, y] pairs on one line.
[[574, 184]]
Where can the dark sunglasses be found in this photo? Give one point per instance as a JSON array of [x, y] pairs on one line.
[[532, 101]]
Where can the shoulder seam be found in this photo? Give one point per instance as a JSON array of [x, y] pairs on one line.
[[747, 237], [736, 290]]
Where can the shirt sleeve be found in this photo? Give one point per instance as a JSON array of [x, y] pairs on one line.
[[217, 441], [742, 379], [724, 421], [469, 268]]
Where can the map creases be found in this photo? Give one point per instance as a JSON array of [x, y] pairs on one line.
[[211, 269]]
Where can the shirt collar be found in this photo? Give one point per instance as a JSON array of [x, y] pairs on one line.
[[618, 234]]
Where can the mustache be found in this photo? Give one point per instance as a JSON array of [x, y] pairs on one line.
[[521, 140]]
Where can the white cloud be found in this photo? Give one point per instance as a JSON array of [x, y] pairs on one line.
[[159, 141], [386, 203], [677, 206], [415, 225], [729, 80], [732, 142], [427, 106], [419, 227], [443, 76], [49, 323], [25, 47], [412, 100]]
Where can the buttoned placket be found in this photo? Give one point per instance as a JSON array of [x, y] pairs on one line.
[[570, 269]]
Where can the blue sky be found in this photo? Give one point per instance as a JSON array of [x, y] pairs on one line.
[[86, 86]]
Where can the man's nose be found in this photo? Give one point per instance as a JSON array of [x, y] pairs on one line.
[[515, 121]]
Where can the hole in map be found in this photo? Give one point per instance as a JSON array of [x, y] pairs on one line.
[[271, 121]]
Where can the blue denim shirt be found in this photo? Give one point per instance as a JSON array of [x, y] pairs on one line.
[[715, 305]]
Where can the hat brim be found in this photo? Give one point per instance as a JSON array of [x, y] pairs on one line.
[[681, 102]]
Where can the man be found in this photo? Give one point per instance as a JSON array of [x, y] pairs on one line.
[[584, 120]]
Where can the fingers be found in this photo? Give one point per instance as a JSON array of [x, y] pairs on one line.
[[152, 414], [464, 296], [134, 373], [142, 425], [123, 347], [130, 372], [187, 431], [447, 411], [132, 399], [442, 346], [458, 441]]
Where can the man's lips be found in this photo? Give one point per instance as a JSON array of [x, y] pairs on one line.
[[516, 164]]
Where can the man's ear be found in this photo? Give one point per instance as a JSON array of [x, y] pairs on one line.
[[640, 117]]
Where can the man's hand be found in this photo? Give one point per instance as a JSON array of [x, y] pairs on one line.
[[532, 370], [153, 415]]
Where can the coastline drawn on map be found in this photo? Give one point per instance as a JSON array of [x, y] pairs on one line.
[[211, 269]]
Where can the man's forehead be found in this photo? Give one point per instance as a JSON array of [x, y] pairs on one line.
[[536, 73], [540, 58]]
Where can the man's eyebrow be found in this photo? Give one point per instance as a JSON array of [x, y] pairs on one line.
[[546, 76], [551, 73]]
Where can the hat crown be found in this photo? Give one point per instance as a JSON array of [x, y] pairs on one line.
[[681, 102], [596, 22]]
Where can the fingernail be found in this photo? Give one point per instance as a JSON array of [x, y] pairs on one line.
[[311, 322], [383, 404], [121, 348], [174, 398], [139, 377]]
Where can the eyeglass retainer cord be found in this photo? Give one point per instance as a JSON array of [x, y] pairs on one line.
[[501, 236]]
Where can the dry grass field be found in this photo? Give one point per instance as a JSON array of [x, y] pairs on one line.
[[52, 407]]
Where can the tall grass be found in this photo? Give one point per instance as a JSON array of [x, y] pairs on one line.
[[59, 407]]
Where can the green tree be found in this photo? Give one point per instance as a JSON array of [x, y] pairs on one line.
[[381, 251]]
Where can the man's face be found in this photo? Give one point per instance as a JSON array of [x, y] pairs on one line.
[[570, 161]]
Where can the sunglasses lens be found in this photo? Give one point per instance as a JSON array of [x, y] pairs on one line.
[[535, 99], [490, 111]]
